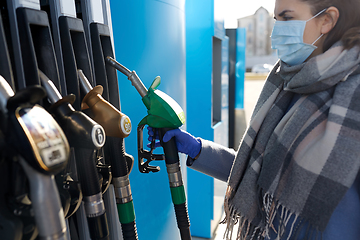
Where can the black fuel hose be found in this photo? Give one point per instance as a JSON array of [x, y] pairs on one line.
[[90, 186], [170, 148], [176, 185], [120, 170], [115, 148], [86, 168]]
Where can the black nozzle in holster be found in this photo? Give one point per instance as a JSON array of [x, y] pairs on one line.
[[86, 136]]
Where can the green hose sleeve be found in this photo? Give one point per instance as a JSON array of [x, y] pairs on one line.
[[178, 194], [126, 212]]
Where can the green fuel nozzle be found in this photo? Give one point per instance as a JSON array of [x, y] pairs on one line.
[[163, 111], [164, 114]]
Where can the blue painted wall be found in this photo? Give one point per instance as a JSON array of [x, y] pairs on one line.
[[199, 32], [149, 37], [202, 26]]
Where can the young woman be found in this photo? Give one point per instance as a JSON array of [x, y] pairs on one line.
[[295, 175]]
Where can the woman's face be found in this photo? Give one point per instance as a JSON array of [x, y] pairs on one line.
[[286, 10]]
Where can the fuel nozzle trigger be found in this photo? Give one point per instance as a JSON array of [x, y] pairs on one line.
[[144, 166]]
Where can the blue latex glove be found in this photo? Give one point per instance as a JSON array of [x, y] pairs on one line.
[[185, 142]]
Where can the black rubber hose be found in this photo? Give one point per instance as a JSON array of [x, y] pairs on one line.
[[114, 149], [170, 148], [129, 231], [89, 179], [98, 227], [90, 186], [181, 212], [182, 218]]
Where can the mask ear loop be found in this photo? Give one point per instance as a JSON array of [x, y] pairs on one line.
[[315, 17], [317, 39], [317, 14]]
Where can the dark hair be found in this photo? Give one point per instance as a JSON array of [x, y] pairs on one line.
[[347, 28]]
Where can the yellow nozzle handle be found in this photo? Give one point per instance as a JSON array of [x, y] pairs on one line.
[[114, 122]]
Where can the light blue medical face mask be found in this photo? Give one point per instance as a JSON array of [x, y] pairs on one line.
[[287, 39]]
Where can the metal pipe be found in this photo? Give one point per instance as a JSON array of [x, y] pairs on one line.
[[132, 76], [85, 84], [5, 93], [53, 93], [46, 203]]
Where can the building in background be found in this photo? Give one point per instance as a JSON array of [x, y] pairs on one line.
[[258, 43]]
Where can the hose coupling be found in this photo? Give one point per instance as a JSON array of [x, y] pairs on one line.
[[94, 205], [174, 173], [122, 189]]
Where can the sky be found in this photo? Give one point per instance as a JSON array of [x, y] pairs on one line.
[[234, 9]]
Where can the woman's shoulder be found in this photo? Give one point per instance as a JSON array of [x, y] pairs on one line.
[[351, 80], [349, 87]]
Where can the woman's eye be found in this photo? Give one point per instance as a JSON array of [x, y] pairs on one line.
[[286, 18]]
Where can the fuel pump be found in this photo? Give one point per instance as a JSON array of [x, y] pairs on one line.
[[31, 48], [31, 42], [163, 114], [39, 145], [5, 64], [98, 36], [11, 10], [69, 37], [118, 126], [70, 44], [86, 136], [10, 225], [71, 52]]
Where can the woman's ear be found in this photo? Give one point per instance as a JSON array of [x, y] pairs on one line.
[[330, 18]]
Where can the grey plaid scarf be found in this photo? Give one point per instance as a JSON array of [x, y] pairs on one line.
[[295, 163]]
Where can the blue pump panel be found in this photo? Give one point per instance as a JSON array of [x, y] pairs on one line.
[[240, 67], [149, 37], [207, 102]]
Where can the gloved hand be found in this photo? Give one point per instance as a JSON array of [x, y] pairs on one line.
[[185, 142]]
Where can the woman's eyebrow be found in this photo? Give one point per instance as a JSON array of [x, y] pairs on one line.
[[283, 12]]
